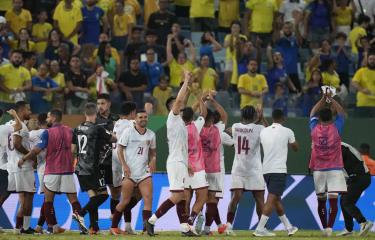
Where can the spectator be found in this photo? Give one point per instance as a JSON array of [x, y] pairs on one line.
[[134, 44], [108, 62], [161, 21], [23, 43], [290, 8], [276, 73], [29, 61], [343, 11], [259, 26], [151, 42], [281, 99], [205, 76], [178, 40], [364, 149], [177, 66], [363, 83], [133, 83], [4, 37], [43, 88], [14, 81], [41, 31], [18, 18], [252, 86], [103, 84], [122, 27], [132, 8], [202, 15], [288, 46], [150, 6], [358, 32], [152, 69], [246, 53], [77, 82], [229, 11], [55, 74], [3, 60], [209, 45], [93, 19], [330, 76], [317, 22], [363, 48], [311, 92], [54, 42], [63, 57], [233, 46], [161, 94], [68, 19], [342, 56], [103, 37]]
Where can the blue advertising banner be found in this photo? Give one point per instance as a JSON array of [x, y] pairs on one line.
[[299, 201]]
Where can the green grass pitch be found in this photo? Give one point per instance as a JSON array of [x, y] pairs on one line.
[[174, 236]]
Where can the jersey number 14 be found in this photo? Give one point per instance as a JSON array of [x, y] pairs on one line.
[[242, 145]]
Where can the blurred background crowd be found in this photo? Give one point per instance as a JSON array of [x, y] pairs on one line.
[[277, 53]]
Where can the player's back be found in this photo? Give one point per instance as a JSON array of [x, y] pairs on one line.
[[247, 158], [13, 155], [177, 139], [121, 125], [87, 140]]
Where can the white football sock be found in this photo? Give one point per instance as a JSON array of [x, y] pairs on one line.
[[26, 222], [285, 221], [153, 219], [262, 222]]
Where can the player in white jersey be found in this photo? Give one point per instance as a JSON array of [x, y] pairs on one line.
[[137, 154], [177, 161], [21, 179], [128, 114], [247, 165], [5, 130]]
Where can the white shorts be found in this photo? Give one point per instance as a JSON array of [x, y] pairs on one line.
[[60, 183], [137, 179], [177, 172], [40, 179], [197, 181], [332, 181], [116, 172], [215, 182], [254, 182], [22, 181]]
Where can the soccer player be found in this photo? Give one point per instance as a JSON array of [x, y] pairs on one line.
[[213, 138], [21, 179], [6, 130], [247, 164], [58, 174], [275, 140], [107, 120], [177, 161], [137, 154], [326, 157], [359, 179], [90, 139], [128, 114]]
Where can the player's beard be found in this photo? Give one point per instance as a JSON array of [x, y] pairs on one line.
[[49, 124], [371, 66]]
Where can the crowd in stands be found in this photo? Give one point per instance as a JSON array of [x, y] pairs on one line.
[[277, 53]]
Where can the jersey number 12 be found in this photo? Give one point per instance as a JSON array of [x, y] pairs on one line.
[[82, 143], [242, 145]]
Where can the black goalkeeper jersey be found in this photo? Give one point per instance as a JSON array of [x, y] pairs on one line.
[[89, 139], [106, 149]]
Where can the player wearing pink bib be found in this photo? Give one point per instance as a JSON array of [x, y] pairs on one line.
[[326, 158], [196, 180]]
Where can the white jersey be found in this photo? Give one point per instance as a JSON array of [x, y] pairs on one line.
[[247, 158], [225, 140], [35, 138], [177, 139], [13, 155], [118, 129], [5, 131], [137, 148]]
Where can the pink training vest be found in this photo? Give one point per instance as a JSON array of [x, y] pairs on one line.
[[59, 150], [194, 148], [326, 148], [211, 143]]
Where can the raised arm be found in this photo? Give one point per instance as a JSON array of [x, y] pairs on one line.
[[169, 49], [219, 109], [17, 126], [318, 106], [269, 57], [182, 94]]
